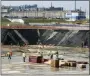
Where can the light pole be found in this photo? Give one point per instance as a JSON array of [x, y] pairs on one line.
[[43, 16], [37, 12]]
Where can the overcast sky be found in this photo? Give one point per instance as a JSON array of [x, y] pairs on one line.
[[67, 5]]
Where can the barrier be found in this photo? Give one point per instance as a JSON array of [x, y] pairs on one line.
[[35, 59], [82, 62], [82, 65], [71, 63], [55, 63]]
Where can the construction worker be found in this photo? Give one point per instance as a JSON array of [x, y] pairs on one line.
[[55, 56], [9, 55], [24, 56], [51, 57], [82, 44]]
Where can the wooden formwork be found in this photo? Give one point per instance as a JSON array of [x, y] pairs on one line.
[[55, 63]]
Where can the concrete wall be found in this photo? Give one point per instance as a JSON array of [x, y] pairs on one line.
[[65, 37], [56, 37]]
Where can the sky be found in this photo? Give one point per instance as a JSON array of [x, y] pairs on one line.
[[67, 5]]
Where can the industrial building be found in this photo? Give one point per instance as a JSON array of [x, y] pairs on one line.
[[75, 15], [34, 12], [4, 10], [28, 11]]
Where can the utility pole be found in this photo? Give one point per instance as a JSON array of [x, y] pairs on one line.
[[85, 12], [43, 16], [37, 12]]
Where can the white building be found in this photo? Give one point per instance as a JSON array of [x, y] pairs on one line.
[[52, 12], [16, 20], [4, 11], [75, 15], [45, 14]]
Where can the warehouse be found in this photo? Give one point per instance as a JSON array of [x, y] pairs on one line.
[[75, 15]]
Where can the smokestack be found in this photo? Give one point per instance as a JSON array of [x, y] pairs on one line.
[[75, 5], [51, 4], [80, 9]]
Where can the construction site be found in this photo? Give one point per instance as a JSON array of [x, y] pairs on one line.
[[45, 40]]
